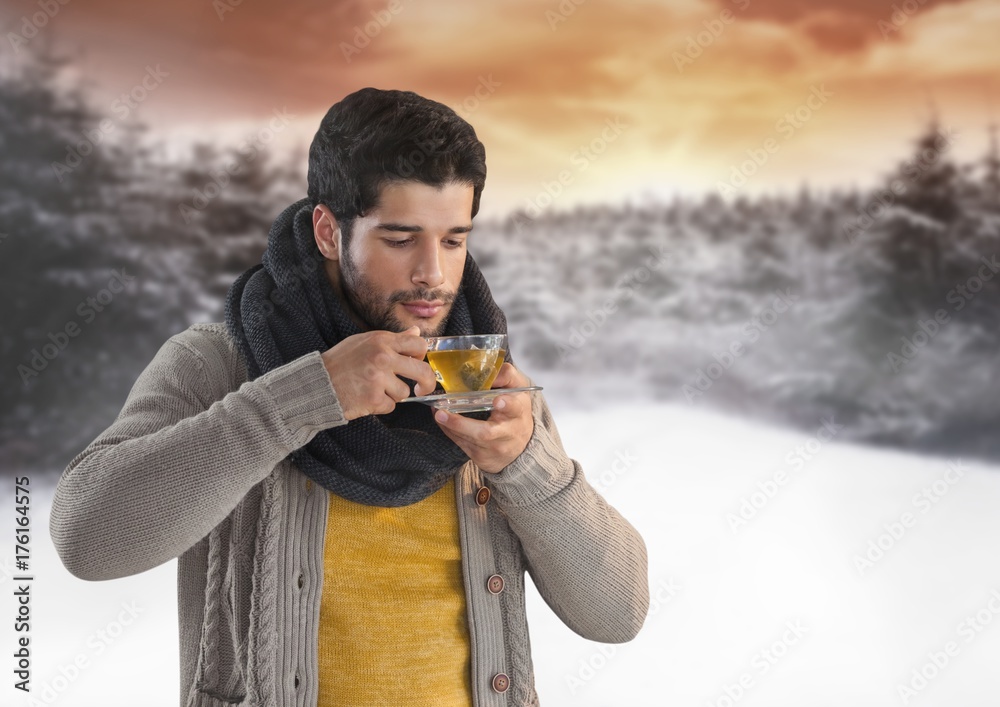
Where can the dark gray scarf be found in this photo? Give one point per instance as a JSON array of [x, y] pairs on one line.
[[286, 307]]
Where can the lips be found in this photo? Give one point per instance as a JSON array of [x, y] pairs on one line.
[[423, 308]]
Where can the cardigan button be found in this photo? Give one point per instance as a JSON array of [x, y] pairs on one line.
[[482, 496], [500, 682], [495, 584]]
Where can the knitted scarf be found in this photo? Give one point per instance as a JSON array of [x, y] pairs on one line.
[[286, 307]]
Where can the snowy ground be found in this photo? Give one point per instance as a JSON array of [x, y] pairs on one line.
[[776, 610]]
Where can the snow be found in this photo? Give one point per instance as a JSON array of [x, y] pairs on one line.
[[92, 643], [775, 612], [735, 592]]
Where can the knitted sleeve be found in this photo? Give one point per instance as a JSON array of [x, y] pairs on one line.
[[181, 455], [588, 563]]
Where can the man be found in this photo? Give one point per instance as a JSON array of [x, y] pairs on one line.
[[335, 546]]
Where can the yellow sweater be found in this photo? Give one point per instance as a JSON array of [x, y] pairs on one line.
[[393, 626]]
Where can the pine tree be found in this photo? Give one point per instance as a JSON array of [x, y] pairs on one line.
[[913, 232], [77, 208], [63, 244], [930, 177]]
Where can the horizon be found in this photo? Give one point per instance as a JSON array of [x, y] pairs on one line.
[[973, 156]]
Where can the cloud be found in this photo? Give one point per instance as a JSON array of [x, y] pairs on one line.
[[842, 28], [556, 82]]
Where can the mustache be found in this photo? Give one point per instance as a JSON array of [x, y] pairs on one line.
[[445, 297]]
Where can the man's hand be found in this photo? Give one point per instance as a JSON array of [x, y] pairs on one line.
[[363, 369], [494, 443]]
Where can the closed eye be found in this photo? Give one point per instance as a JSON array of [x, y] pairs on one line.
[[406, 241]]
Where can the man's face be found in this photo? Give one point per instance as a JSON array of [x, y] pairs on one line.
[[404, 254]]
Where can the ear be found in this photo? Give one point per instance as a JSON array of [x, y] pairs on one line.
[[326, 231]]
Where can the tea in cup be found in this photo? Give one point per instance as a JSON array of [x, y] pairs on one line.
[[465, 364]]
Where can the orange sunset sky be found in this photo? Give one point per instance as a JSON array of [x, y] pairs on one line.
[[694, 84]]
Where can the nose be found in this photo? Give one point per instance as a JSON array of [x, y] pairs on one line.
[[428, 270]]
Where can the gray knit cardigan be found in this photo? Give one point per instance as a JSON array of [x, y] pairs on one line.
[[195, 468]]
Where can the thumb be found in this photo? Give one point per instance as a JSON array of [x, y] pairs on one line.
[[503, 379]]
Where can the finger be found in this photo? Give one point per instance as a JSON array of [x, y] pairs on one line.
[[460, 441], [503, 379], [475, 432], [463, 443], [413, 349], [485, 432], [415, 370], [397, 390], [509, 406], [509, 377], [409, 343]]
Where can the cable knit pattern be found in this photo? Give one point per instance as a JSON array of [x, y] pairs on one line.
[[197, 467], [209, 669], [239, 584], [263, 648], [507, 555]]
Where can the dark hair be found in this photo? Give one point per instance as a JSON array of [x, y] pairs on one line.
[[372, 138]]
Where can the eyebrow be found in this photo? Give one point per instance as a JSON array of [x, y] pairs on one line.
[[404, 228]]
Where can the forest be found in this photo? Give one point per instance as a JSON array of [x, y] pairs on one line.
[[878, 308]]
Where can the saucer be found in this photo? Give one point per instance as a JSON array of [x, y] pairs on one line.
[[474, 401]]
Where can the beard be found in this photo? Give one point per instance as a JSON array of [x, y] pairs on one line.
[[378, 312]]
